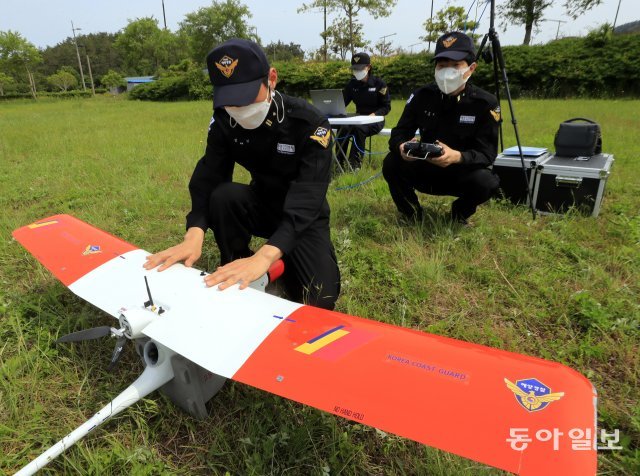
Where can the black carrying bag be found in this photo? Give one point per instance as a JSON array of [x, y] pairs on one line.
[[575, 139]]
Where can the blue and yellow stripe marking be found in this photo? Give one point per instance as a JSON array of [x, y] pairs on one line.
[[322, 340]]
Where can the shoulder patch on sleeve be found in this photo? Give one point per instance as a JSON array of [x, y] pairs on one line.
[[322, 136], [410, 98], [496, 113], [383, 91]]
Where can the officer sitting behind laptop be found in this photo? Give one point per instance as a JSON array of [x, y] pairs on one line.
[[460, 118], [371, 97]]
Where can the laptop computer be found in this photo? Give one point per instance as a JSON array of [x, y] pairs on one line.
[[329, 102]]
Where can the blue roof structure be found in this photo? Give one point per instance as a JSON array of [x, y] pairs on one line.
[[139, 79]]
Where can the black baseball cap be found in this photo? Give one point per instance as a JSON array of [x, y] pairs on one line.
[[360, 60], [237, 68], [454, 45]]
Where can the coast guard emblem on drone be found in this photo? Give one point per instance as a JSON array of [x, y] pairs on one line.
[[227, 65], [532, 394], [91, 250]]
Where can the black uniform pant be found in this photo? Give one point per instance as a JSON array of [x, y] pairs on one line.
[[358, 134], [471, 186], [311, 270]]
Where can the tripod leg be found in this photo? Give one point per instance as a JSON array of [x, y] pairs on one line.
[[499, 61]]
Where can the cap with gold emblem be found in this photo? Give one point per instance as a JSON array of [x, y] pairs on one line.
[[454, 45], [360, 61], [236, 67]]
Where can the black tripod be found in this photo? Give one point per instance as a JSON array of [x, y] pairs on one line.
[[495, 54]]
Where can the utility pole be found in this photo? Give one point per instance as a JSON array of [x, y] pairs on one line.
[[383, 43], [616, 18], [411, 47], [431, 18], [164, 16], [325, 31], [84, 87], [558, 30], [93, 87]]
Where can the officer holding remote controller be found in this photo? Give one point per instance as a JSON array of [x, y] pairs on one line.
[[458, 126]]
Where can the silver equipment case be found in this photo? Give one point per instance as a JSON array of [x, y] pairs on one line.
[[509, 169], [572, 182]]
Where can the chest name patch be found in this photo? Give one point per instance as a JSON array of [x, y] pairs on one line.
[[286, 148], [372, 90], [467, 119]]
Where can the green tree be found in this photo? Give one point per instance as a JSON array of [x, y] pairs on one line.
[[16, 55], [145, 48], [351, 8], [210, 26], [112, 79], [99, 47], [341, 40], [448, 19], [383, 47], [284, 52], [598, 37], [531, 12], [62, 80], [71, 70], [5, 81]]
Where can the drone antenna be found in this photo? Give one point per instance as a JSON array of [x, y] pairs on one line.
[[150, 301]]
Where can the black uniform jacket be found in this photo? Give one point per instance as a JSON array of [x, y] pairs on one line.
[[467, 122], [289, 163], [368, 96]]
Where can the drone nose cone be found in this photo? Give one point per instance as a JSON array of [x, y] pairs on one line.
[[133, 321]]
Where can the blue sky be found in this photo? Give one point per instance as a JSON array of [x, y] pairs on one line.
[[46, 23]]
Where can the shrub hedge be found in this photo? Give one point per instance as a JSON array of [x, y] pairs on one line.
[[75, 93], [570, 67]]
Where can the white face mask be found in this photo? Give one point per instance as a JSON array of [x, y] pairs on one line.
[[251, 116], [450, 79], [360, 74]]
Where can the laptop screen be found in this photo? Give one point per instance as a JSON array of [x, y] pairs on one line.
[[329, 102]]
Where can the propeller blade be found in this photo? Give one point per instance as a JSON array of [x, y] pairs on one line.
[[117, 352], [87, 334]]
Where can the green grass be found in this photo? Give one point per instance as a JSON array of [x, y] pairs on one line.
[[564, 288]]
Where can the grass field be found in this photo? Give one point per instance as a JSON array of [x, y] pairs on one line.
[[564, 288]]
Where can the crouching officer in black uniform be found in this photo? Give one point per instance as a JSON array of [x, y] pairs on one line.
[[460, 118], [284, 143], [371, 96]]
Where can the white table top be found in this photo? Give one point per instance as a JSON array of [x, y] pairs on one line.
[[354, 120]]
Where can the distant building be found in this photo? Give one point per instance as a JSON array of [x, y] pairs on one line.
[[133, 81]]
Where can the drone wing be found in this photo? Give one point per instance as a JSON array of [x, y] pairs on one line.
[[438, 391]]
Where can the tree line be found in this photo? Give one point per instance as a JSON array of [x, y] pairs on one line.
[[143, 48], [599, 65]]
